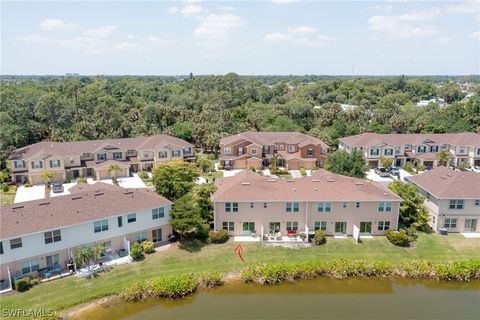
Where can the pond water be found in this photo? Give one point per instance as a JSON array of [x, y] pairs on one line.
[[321, 298]]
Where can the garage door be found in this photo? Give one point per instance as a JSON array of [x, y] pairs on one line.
[[240, 164], [58, 177], [293, 165]]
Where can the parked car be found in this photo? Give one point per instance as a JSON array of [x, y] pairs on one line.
[[57, 187], [428, 168], [382, 172], [394, 170], [406, 179], [476, 169]]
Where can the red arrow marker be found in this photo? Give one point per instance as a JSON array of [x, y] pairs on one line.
[[238, 250]]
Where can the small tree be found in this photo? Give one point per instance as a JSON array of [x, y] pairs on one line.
[[114, 168], [348, 164], [47, 176], [204, 164], [443, 158], [174, 179], [412, 213], [275, 161], [186, 217], [386, 162], [85, 255]]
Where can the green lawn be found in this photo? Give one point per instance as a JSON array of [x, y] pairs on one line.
[[213, 175], [9, 196], [63, 294]]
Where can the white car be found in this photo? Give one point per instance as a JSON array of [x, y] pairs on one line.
[[476, 169]]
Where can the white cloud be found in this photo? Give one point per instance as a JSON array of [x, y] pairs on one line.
[[405, 25], [191, 10], [475, 35], [443, 40], [99, 32], [301, 36], [472, 6], [89, 44], [56, 24], [214, 29], [284, 1], [130, 37], [34, 38], [160, 41], [383, 7], [172, 10], [124, 46]]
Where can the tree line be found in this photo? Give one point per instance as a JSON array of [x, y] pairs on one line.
[[204, 109]]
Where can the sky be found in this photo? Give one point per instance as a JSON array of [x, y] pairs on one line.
[[279, 37]]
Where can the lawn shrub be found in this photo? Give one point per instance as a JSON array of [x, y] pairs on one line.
[[136, 251], [173, 287], [319, 238], [143, 175], [136, 291], [211, 279], [400, 238], [28, 184], [21, 284], [148, 247], [303, 171], [219, 236], [81, 180], [278, 171]]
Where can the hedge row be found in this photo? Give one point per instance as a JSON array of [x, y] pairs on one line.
[[445, 271]]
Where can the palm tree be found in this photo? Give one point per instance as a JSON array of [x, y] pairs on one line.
[[443, 158], [114, 168], [85, 255], [275, 161], [47, 175]]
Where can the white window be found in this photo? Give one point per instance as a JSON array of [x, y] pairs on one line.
[[146, 155], [175, 153], [357, 204], [450, 223], [54, 163], [130, 152], [434, 149], [231, 206], [477, 203], [252, 205], [254, 151], [158, 213], [101, 157], [265, 205], [16, 243], [292, 225], [162, 154], [324, 206], [291, 148], [117, 155], [141, 236], [52, 236], [310, 152], [227, 150], [374, 152], [344, 204], [292, 207], [239, 151], [266, 149], [461, 149], [131, 217], [384, 206], [228, 225], [388, 152], [99, 226], [383, 225], [71, 160], [107, 248], [1, 247], [421, 149], [19, 164], [30, 266], [187, 150], [456, 204], [321, 225], [37, 164]]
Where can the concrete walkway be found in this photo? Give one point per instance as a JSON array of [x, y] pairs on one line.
[[28, 194], [134, 182], [296, 174]]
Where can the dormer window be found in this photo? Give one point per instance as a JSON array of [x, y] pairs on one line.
[[101, 157], [227, 150], [434, 149], [19, 164], [37, 164], [187, 150], [388, 152], [310, 152], [254, 151], [54, 163], [461, 149], [291, 149], [162, 154], [175, 153], [421, 149], [374, 152], [117, 155]]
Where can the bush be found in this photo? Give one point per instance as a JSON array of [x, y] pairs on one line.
[[279, 171], [28, 184], [218, 236], [114, 180], [136, 251], [81, 180], [174, 287], [303, 236], [319, 238], [137, 291], [21, 284], [253, 169], [5, 187], [401, 238], [303, 171], [211, 280], [409, 167], [143, 175], [148, 247]]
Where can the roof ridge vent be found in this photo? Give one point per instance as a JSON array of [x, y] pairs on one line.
[[128, 192], [245, 183], [290, 180], [359, 183], [315, 180], [442, 177], [449, 174], [18, 207], [271, 180], [44, 203], [330, 180], [76, 198]]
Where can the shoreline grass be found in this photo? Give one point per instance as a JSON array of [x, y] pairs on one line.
[[66, 293]]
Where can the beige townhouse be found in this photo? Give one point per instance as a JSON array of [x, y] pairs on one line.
[[463, 147], [254, 149], [73, 159], [39, 237], [250, 204], [452, 198]]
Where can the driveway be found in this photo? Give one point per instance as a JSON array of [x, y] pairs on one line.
[[27, 194], [231, 173], [128, 182], [295, 173], [371, 175], [403, 174], [66, 186]]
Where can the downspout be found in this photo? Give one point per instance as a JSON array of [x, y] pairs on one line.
[[306, 220], [214, 216]]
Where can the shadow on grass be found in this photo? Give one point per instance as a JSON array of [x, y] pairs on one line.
[[192, 245]]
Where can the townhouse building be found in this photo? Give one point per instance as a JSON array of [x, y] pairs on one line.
[[39, 236], [463, 147], [452, 198], [255, 149], [73, 159], [248, 203]]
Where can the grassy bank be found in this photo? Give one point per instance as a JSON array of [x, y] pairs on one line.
[[66, 293], [9, 196]]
